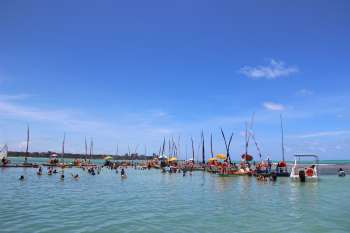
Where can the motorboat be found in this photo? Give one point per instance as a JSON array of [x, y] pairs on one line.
[[305, 173]]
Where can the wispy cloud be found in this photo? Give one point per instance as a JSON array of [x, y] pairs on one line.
[[304, 92], [323, 134], [63, 117], [273, 70], [5, 97], [274, 106]]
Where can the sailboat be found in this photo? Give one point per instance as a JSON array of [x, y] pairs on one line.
[[248, 135], [26, 163], [3, 155], [63, 165], [282, 167]]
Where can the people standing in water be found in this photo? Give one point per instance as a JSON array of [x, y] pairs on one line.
[[21, 177], [122, 173], [40, 171]]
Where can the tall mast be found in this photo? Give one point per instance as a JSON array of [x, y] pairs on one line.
[[63, 142], [160, 151], [246, 139], [248, 133], [91, 148], [163, 147], [203, 149], [27, 148], [227, 145], [85, 149], [211, 145], [192, 149], [169, 148], [282, 132], [257, 145], [178, 150]]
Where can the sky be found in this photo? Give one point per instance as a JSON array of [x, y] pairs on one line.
[[130, 73]]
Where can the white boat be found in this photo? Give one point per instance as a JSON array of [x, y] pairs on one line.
[[305, 173], [3, 153]]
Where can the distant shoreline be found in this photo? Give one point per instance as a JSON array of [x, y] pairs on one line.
[[79, 156]]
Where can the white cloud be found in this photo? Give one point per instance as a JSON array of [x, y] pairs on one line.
[[304, 92], [159, 113], [63, 117], [275, 69], [274, 106], [324, 134], [6, 97]]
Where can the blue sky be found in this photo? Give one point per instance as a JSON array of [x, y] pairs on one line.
[[133, 72]]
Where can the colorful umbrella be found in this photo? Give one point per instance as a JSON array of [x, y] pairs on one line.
[[221, 156], [247, 157]]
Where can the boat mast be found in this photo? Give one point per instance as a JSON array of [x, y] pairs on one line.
[[163, 147], [192, 149], [91, 148], [169, 148], [27, 148], [257, 145], [248, 133], [203, 149], [282, 135], [86, 150], [63, 142], [246, 139], [211, 145], [178, 148], [227, 145]]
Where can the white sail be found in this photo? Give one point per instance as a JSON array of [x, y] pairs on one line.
[[3, 152]]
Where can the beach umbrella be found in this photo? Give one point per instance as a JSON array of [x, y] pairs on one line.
[[173, 159], [247, 157], [108, 158], [221, 156], [282, 164]]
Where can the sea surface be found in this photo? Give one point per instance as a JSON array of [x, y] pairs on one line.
[[149, 201]]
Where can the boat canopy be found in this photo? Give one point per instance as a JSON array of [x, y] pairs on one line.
[[306, 155]]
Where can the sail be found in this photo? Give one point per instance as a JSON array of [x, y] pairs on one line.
[[3, 152]]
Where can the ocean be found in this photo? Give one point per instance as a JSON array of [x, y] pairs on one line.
[[149, 201]]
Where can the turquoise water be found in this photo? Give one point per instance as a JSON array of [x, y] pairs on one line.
[[148, 201], [99, 161]]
